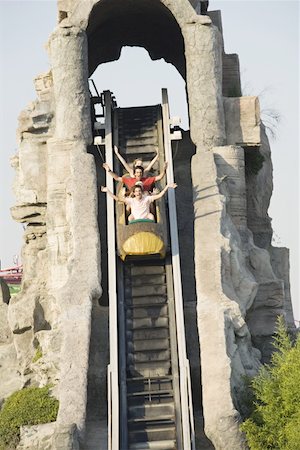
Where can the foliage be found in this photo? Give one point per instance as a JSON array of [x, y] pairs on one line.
[[38, 354], [275, 420], [29, 406], [271, 119], [14, 288]]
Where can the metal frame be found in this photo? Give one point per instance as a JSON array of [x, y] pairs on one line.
[[113, 376], [188, 435], [174, 351], [184, 372], [123, 431]]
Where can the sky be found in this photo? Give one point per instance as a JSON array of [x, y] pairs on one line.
[[265, 34]]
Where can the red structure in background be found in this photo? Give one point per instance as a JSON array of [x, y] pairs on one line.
[[12, 275]]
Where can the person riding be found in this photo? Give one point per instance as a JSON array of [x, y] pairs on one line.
[[136, 162], [140, 202], [148, 182]]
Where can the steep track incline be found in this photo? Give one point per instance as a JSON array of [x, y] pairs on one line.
[[148, 362]]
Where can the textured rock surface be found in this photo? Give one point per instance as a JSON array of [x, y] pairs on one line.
[[242, 121], [228, 290], [36, 437], [10, 377], [49, 436], [281, 265], [72, 231], [259, 191], [242, 283]]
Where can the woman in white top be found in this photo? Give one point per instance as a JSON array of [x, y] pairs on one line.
[[140, 202]]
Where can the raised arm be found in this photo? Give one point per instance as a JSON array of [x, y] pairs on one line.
[[151, 164], [117, 199], [163, 173], [122, 160], [162, 193], [113, 174]]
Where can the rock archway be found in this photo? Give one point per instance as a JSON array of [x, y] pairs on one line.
[[114, 24], [239, 276]]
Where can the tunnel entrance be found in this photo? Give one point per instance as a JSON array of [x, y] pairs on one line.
[[114, 24], [115, 27]]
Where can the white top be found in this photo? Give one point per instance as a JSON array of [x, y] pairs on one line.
[[139, 208]]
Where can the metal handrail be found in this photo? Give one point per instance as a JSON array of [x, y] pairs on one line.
[[185, 391], [191, 412], [109, 408], [113, 396]]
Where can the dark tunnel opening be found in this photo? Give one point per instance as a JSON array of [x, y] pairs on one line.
[[114, 24]]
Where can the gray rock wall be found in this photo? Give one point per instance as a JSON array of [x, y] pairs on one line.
[[240, 283]]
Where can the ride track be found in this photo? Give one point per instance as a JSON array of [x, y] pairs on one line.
[[149, 392]]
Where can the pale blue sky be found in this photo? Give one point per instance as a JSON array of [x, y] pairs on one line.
[[265, 34]]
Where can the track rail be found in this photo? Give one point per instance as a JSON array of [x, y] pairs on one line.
[[148, 364]]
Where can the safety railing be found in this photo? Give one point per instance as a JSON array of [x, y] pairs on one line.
[[112, 372]]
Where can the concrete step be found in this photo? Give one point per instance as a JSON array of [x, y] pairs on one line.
[[136, 127], [146, 279], [143, 385], [131, 120], [150, 270], [151, 400], [140, 140], [130, 133], [147, 333], [149, 311], [146, 301], [151, 411], [147, 322], [142, 291], [150, 433], [140, 149], [137, 113], [148, 356], [149, 394], [144, 132], [152, 344], [154, 445], [134, 114], [150, 369]]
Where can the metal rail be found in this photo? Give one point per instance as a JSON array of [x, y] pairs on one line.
[[184, 372], [113, 376], [116, 437]]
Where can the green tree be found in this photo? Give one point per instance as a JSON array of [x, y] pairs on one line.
[[275, 420]]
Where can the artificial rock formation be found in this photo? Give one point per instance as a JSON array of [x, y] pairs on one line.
[[237, 283]]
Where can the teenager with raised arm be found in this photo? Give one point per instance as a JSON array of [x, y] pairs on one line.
[[136, 162], [140, 202], [148, 182]]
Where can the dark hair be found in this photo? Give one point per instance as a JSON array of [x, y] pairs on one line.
[[137, 186], [138, 167]]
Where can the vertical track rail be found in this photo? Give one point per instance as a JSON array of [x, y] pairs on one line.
[[123, 432], [119, 435], [186, 402], [113, 376]]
